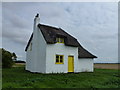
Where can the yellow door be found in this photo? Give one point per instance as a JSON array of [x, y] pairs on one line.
[[70, 64]]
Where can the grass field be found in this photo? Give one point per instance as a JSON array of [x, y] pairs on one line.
[[17, 77]]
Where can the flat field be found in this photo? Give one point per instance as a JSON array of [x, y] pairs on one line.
[[107, 66], [17, 77]]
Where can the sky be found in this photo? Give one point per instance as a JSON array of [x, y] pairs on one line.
[[93, 24]]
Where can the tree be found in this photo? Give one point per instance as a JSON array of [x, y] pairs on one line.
[[7, 61], [14, 57]]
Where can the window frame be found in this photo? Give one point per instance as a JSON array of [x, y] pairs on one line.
[[59, 59], [60, 40]]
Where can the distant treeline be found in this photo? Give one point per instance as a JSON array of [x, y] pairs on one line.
[[19, 61]]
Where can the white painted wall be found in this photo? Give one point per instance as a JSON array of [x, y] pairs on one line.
[[36, 59], [61, 49], [85, 65], [29, 59], [39, 52]]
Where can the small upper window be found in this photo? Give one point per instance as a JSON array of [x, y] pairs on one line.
[[60, 40]]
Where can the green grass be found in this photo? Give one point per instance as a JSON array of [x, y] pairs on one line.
[[17, 77]]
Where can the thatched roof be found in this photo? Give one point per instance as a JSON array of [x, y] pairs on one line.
[[50, 33]]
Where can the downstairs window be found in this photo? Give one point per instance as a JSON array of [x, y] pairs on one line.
[[59, 59]]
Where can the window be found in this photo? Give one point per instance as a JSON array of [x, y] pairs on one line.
[[30, 46], [59, 59], [60, 40]]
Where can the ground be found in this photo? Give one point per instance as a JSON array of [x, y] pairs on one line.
[[17, 77]]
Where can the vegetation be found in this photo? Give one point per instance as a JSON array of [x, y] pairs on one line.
[[17, 77], [7, 58], [14, 56]]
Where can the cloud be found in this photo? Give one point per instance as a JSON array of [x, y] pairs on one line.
[[9, 17], [104, 37], [15, 28], [13, 34]]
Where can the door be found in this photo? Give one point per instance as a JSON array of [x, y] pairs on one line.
[[70, 64]]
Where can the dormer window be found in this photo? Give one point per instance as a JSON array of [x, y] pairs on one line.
[[60, 40]]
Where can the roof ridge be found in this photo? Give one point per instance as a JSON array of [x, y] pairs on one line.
[[68, 34], [48, 26]]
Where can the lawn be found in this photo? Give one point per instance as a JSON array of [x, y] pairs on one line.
[[17, 77]]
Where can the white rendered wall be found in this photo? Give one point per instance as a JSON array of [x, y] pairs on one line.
[[60, 49], [36, 59], [28, 59], [85, 65]]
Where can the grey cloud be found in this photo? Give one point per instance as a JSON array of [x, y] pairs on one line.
[[15, 20], [16, 34], [15, 28], [105, 36]]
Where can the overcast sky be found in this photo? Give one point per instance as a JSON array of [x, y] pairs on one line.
[[95, 25]]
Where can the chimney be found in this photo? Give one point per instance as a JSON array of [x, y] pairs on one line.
[[36, 20]]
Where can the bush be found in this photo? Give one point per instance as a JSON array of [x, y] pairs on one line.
[[7, 61]]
